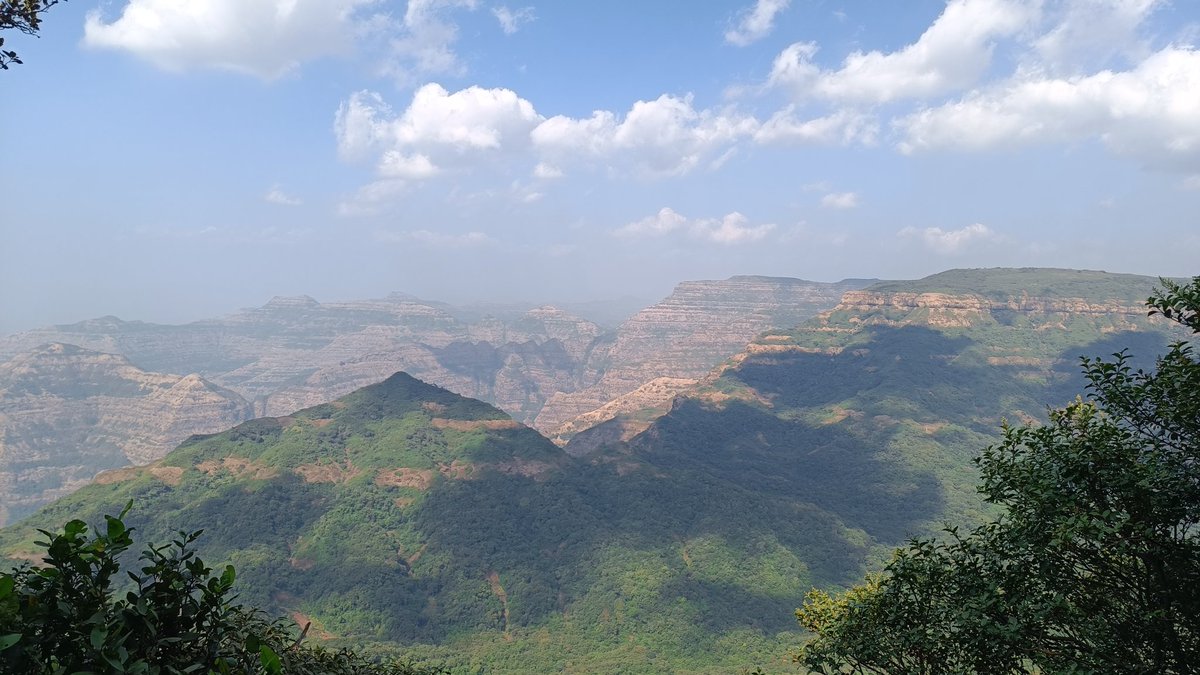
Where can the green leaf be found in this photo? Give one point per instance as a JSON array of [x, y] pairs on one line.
[[9, 640], [270, 660]]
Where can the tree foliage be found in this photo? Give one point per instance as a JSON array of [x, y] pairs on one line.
[[1094, 565], [176, 616], [24, 16]]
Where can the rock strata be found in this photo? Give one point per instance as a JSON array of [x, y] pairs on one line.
[[698, 326], [67, 413]]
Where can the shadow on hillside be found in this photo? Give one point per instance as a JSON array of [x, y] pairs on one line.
[[1143, 348]]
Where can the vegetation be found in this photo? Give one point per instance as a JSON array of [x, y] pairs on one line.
[[1092, 565], [403, 519], [24, 16], [1003, 283], [69, 616]]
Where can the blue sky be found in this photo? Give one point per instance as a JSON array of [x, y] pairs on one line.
[[168, 161]]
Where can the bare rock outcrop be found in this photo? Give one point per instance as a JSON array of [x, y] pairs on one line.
[[698, 326], [67, 413]]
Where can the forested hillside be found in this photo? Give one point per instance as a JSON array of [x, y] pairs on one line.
[[406, 517]]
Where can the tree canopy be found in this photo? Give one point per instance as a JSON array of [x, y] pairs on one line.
[[72, 615], [24, 16], [1094, 564]]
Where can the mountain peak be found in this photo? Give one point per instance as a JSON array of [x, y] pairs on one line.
[[291, 301]]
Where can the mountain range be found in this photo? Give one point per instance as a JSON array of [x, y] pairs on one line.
[[541, 365], [676, 536]]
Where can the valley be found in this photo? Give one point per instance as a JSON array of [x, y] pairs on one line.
[[678, 529]]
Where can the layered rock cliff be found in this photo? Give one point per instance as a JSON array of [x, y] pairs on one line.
[[67, 413], [698, 326]]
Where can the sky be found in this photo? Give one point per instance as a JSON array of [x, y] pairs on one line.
[[168, 161]]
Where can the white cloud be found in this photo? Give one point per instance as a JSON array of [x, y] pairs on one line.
[[1191, 182], [663, 222], [949, 242], [663, 137], [438, 128], [1151, 113], [952, 54], [276, 195], [422, 42], [1092, 31], [437, 239], [266, 38], [755, 22], [731, 229], [844, 126], [840, 200], [395, 164], [512, 20]]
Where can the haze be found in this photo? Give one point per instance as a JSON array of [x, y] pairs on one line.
[[168, 161]]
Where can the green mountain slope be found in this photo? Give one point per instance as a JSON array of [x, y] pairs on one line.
[[404, 515]]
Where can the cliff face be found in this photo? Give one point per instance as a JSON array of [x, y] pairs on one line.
[[67, 413], [698, 326], [294, 352], [1036, 323]]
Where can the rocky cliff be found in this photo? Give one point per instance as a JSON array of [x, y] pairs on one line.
[[67, 413], [698, 326], [1027, 317]]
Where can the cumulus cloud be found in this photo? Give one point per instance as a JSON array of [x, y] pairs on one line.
[[949, 242], [512, 20], [840, 200], [663, 222], [437, 128], [663, 137], [734, 228], [1151, 113], [276, 195], [266, 38], [755, 22], [952, 54]]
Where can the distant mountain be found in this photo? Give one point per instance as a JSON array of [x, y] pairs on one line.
[[405, 516], [917, 375], [285, 353], [665, 348], [68, 412], [296, 352]]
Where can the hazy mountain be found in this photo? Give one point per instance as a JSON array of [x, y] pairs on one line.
[[405, 515], [68, 412], [664, 348], [295, 352]]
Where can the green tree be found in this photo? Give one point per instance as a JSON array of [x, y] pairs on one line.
[[176, 617], [1094, 566], [24, 16]]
